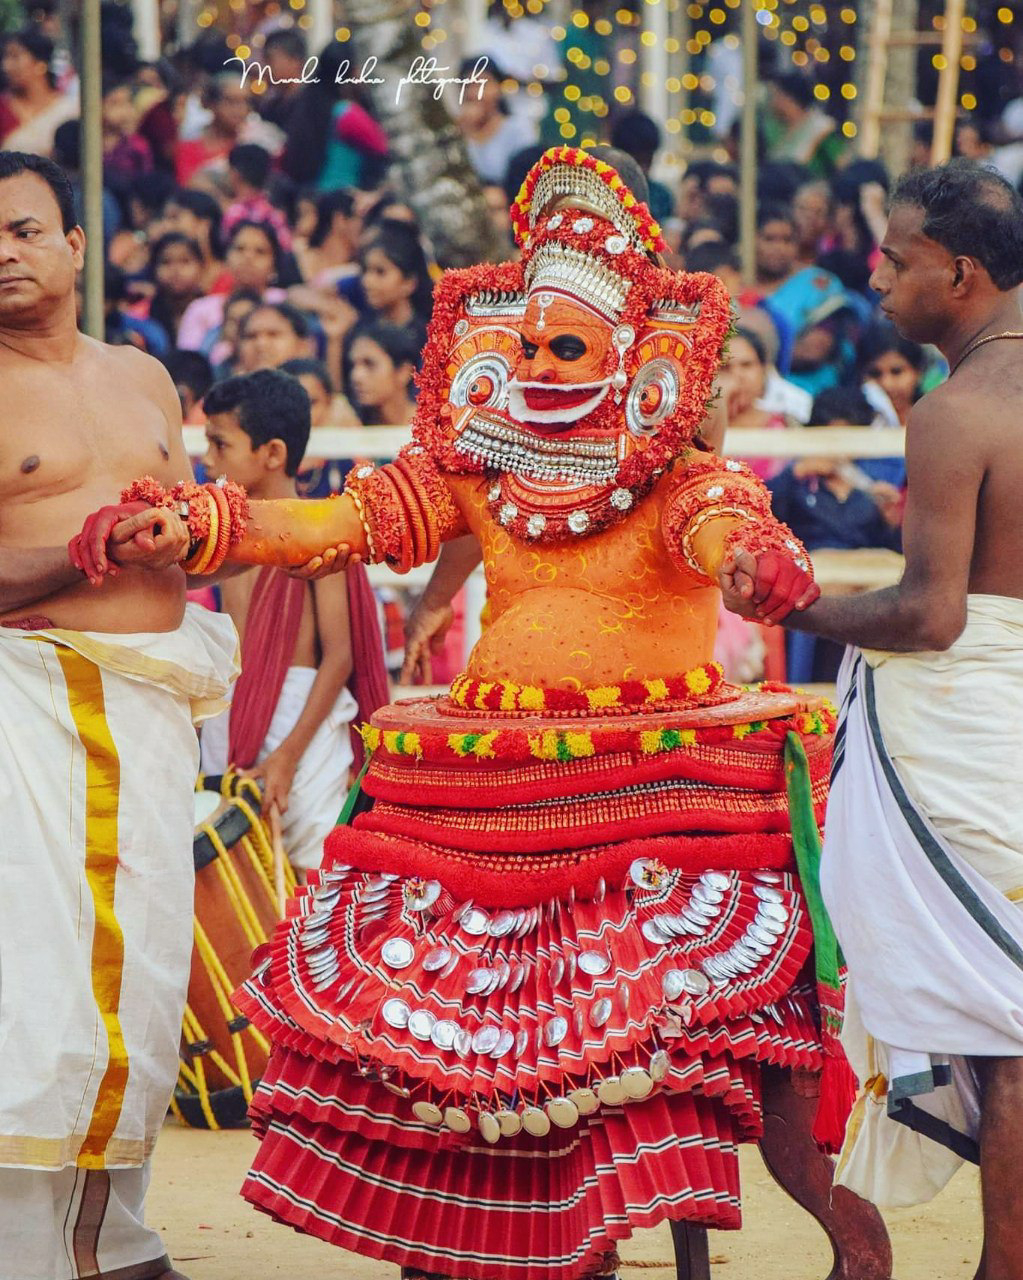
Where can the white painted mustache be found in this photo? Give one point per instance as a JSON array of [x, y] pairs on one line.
[[518, 408]]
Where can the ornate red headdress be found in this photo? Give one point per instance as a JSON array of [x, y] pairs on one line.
[[586, 251]]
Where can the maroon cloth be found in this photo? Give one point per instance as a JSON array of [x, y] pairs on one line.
[[368, 682], [9, 119], [271, 633]]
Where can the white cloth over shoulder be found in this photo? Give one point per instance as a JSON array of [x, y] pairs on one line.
[[923, 858], [98, 760], [321, 779]]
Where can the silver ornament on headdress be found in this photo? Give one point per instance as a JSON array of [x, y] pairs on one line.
[[557, 266]]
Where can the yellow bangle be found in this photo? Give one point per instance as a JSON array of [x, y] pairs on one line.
[[206, 554]]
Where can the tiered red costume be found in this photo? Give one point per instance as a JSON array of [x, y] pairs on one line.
[[523, 1008]]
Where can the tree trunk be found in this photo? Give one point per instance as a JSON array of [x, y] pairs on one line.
[[430, 165]]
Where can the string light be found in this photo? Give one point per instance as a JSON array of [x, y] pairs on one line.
[[818, 37]]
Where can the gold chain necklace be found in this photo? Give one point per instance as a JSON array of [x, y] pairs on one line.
[[991, 337]]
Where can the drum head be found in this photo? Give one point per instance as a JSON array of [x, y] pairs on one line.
[[206, 805]]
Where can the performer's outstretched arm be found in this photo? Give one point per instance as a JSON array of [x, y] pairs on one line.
[[719, 513], [397, 514]]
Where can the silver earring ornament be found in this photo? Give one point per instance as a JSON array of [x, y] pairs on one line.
[[622, 339]]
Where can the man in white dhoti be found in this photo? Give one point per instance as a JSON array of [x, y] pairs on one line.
[[923, 860], [98, 759]]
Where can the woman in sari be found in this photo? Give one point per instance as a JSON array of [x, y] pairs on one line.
[[31, 106]]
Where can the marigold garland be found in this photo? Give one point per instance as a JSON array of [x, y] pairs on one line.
[[700, 687], [520, 745]]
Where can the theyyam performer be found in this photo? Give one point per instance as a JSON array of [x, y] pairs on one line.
[[526, 1004]]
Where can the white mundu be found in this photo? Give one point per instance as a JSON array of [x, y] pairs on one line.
[[321, 779], [922, 875], [98, 760]]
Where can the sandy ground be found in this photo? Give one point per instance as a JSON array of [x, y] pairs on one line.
[[213, 1235]]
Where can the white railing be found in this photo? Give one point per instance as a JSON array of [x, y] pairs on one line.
[[835, 570], [382, 443]]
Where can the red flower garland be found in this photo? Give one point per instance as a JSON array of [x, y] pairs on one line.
[[648, 230], [193, 495], [517, 744]]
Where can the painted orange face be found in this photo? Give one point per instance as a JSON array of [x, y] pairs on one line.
[[564, 346]]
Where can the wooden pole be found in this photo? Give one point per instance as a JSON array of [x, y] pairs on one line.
[[90, 74], [683, 61], [187, 27], [748, 144], [322, 28], [146, 26], [873, 90], [948, 82], [277, 844], [653, 61]]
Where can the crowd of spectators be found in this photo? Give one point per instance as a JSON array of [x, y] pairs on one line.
[[246, 230]]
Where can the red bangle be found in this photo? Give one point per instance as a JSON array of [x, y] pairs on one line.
[[224, 532]]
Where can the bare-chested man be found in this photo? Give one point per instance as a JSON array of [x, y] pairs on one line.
[[98, 757], [923, 867]]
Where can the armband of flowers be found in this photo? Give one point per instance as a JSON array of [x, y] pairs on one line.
[[216, 515], [769, 535], [406, 509], [709, 491]]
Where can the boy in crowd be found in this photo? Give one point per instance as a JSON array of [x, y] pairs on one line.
[[288, 724], [248, 177]]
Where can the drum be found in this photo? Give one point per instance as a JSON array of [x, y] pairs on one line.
[[238, 891]]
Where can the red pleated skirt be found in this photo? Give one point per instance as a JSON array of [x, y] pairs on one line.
[[497, 1064]]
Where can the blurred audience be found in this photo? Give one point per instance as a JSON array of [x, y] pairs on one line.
[[32, 107], [492, 133]]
